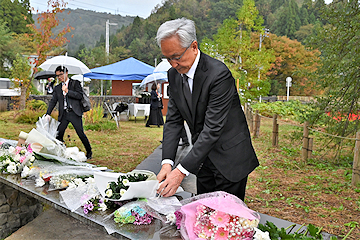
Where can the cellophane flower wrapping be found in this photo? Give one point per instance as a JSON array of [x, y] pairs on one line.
[[79, 192], [134, 213], [115, 187], [217, 215]]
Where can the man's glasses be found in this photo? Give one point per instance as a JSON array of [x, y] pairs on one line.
[[59, 75], [179, 57]]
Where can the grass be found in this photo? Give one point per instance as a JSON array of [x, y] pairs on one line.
[[318, 191]]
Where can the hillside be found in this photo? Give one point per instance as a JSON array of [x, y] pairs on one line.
[[89, 26]]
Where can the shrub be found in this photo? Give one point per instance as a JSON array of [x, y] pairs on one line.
[[29, 116], [36, 105], [95, 114]]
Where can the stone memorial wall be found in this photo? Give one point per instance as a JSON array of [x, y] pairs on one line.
[[16, 210]]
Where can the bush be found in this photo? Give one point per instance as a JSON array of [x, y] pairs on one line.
[[292, 109], [36, 105], [95, 114], [29, 116]]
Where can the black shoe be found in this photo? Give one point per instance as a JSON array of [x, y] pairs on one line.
[[147, 125], [89, 155]]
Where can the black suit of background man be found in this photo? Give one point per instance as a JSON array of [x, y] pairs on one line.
[[68, 93]]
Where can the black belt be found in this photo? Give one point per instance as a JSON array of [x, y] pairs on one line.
[[68, 109]]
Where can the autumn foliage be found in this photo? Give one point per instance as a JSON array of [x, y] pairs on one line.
[[44, 37]]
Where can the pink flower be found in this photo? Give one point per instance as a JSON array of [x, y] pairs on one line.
[[221, 233], [178, 215], [220, 219], [208, 230], [29, 149], [22, 159]]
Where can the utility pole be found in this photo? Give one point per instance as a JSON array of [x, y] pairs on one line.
[[106, 46], [107, 37]]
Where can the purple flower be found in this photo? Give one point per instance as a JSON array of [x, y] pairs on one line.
[[86, 211], [90, 206], [178, 215]]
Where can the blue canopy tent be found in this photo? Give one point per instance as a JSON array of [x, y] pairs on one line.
[[128, 69]]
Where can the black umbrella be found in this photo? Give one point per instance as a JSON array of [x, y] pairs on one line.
[[44, 75]]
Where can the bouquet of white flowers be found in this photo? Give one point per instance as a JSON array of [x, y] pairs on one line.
[[14, 159]]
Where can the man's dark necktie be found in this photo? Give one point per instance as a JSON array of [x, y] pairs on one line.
[[186, 90]]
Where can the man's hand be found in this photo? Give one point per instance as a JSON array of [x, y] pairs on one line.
[[171, 183], [164, 172], [65, 88], [48, 117]]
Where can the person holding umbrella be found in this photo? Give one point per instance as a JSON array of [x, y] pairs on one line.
[[68, 93], [50, 86], [156, 105]]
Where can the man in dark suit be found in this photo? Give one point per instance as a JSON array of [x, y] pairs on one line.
[[50, 86], [203, 93], [68, 93]]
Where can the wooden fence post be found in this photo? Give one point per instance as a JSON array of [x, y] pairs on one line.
[[251, 120], [310, 147], [305, 145], [356, 165], [275, 133], [257, 124]]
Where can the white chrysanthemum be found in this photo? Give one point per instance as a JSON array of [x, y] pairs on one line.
[[12, 168], [39, 182], [7, 161], [109, 193], [171, 218], [102, 206], [32, 159], [71, 185], [79, 182], [17, 158], [260, 235], [108, 185], [25, 172], [90, 180], [122, 192], [125, 182], [11, 149]]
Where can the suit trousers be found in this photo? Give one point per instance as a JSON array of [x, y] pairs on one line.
[[76, 121], [209, 179]]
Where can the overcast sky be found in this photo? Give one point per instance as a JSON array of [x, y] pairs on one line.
[[141, 8]]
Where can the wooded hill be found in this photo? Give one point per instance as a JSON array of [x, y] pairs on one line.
[[88, 26], [291, 18]]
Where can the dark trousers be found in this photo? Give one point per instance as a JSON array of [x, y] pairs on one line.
[[76, 121], [209, 179]]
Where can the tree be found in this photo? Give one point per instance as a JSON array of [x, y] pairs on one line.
[[237, 44], [339, 73], [295, 61], [45, 41], [16, 14], [7, 53], [44, 37], [288, 21], [21, 77]]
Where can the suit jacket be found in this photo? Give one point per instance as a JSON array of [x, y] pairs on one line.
[[216, 121], [73, 96], [155, 102]]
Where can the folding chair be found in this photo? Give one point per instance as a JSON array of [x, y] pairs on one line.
[[113, 114]]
